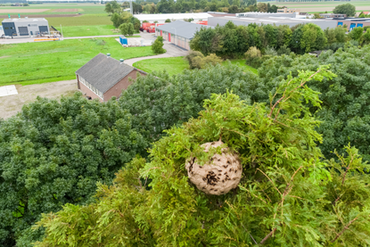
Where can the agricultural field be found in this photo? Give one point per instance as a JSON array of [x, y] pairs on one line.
[[175, 65], [313, 7], [65, 14], [31, 63]]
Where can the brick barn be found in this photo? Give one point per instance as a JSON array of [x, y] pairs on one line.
[[104, 77]]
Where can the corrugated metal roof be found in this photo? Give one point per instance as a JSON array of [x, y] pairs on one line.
[[104, 72], [181, 28], [177, 16]]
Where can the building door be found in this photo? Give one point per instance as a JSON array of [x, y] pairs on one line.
[[9, 29], [23, 31], [43, 29], [169, 37], [360, 25]]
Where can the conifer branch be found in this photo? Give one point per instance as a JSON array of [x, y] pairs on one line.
[[292, 91], [345, 228], [268, 235], [270, 181]]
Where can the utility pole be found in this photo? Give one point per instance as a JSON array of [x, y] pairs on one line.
[[131, 9]]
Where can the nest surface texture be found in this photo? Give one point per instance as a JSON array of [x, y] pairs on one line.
[[222, 174]]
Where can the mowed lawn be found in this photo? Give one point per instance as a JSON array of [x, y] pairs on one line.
[[31, 63], [175, 65], [78, 31]]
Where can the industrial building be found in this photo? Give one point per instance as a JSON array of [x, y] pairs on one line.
[[351, 23], [161, 18], [104, 77], [272, 19], [179, 32], [25, 27]]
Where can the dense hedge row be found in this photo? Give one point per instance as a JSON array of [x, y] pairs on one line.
[[233, 41]]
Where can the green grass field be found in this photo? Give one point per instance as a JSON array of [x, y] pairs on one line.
[[175, 65], [315, 7], [78, 31], [31, 63]]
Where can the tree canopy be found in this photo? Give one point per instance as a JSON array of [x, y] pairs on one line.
[[348, 9], [54, 153], [284, 198]]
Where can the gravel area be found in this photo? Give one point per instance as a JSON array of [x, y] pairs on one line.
[[10, 105]]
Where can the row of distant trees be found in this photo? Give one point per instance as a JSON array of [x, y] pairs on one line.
[[182, 6], [233, 41]]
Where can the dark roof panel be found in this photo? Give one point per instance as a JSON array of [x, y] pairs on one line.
[[104, 72]]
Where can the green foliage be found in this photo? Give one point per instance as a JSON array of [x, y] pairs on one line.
[[313, 38], [159, 101], [123, 28], [125, 17], [356, 33], [157, 46], [348, 9], [54, 153], [197, 60], [345, 98], [167, 21], [285, 198], [233, 41], [130, 29]]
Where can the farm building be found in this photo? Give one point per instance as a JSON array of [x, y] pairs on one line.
[[104, 77], [25, 27], [179, 32], [161, 18], [271, 19]]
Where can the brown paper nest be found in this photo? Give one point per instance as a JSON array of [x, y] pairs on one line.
[[220, 175]]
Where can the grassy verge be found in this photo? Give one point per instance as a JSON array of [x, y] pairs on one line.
[[78, 31], [32, 63], [175, 65]]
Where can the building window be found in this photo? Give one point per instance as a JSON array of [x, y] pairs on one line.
[[92, 88]]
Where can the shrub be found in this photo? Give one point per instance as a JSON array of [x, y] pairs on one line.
[[167, 21], [197, 60], [157, 46]]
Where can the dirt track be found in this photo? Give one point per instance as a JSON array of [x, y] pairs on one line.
[[39, 16], [65, 10], [10, 105]]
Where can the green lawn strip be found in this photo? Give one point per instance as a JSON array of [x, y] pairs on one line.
[[79, 31], [175, 65], [32, 63], [83, 20]]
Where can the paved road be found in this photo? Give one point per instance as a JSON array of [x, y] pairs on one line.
[[171, 50]]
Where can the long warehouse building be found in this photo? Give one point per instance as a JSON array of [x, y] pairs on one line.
[[277, 20], [25, 27]]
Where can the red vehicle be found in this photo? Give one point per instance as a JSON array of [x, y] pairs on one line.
[[149, 27], [203, 23]]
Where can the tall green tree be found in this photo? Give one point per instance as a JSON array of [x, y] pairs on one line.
[[285, 197], [345, 98], [348, 9], [54, 153]]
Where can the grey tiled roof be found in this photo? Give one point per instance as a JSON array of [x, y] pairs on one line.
[[104, 72], [181, 28]]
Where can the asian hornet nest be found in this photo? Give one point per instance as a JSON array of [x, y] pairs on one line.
[[220, 175]]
